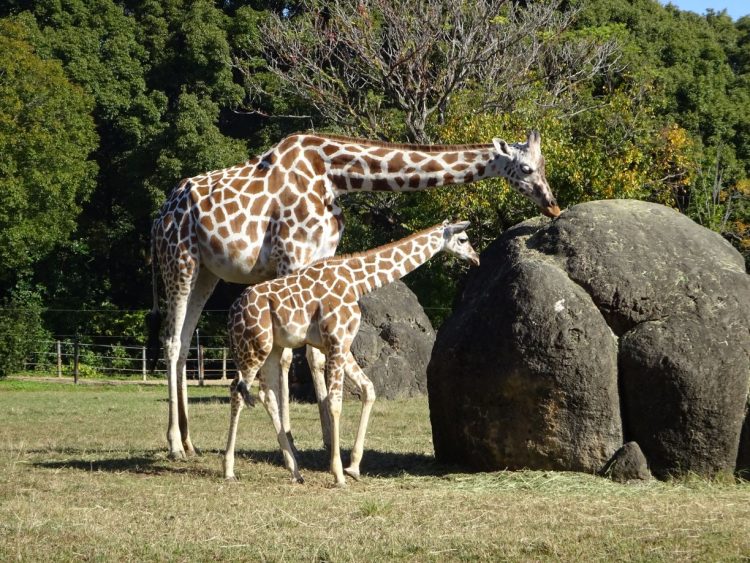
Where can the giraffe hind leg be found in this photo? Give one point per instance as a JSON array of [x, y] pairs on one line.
[[234, 418], [175, 318], [202, 288]]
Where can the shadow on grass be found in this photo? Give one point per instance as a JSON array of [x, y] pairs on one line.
[[156, 464], [222, 399], [374, 463]]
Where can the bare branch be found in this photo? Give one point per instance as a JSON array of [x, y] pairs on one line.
[[354, 59]]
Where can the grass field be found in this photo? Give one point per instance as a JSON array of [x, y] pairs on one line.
[[84, 476]]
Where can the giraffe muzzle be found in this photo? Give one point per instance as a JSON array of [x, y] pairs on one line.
[[551, 211]]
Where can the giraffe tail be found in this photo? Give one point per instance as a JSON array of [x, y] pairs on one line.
[[242, 389], [153, 317]]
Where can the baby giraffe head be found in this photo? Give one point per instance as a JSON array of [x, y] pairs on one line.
[[523, 166], [456, 241]]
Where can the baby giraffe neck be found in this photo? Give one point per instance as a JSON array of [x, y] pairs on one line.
[[386, 264]]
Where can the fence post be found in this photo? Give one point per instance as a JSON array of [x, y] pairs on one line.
[[76, 358], [199, 356], [143, 364], [59, 358], [201, 351], [223, 363]]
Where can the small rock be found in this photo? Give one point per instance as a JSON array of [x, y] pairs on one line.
[[627, 464]]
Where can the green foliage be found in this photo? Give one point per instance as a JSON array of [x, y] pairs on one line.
[[197, 144], [46, 135], [21, 328], [699, 66], [160, 87]]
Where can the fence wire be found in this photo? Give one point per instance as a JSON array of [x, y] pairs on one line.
[[58, 357]]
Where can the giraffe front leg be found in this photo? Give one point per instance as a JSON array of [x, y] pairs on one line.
[[367, 391], [285, 364], [335, 369], [317, 362], [234, 417], [269, 395], [171, 355]]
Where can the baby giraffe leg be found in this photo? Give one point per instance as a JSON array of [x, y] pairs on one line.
[[285, 365], [239, 390], [317, 362], [269, 396], [367, 391], [335, 372]]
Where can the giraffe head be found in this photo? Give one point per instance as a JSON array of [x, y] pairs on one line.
[[524, 169], [456, 241]]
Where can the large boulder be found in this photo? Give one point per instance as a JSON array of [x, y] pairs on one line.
[[393, 346], [619, 321]]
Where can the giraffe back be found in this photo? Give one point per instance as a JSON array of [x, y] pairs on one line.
[[305, 307], [266, 217]]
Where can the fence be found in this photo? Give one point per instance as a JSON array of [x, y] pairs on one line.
[[72, 357]]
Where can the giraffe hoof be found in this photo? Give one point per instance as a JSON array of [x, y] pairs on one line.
[[340, 485], [177, 455], [298, 480], [231, 479], [352, 473]]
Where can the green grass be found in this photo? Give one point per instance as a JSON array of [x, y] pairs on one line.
[[84, 475]]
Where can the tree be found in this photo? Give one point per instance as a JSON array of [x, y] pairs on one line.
[[46, 136], [698, 66], [22, 330], [159, 74], [357, 63]]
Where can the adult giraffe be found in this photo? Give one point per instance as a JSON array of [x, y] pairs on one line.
[[276, 213]]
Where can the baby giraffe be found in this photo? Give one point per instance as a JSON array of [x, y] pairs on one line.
[[318, 306]]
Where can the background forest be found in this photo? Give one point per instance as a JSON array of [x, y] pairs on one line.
[[105, 105]]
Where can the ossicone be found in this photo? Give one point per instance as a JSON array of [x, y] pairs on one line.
[[534, 137], [501, 146]]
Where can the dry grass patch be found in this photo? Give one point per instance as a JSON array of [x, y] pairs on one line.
[[85, 476]]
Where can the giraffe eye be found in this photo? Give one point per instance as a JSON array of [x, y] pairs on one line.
[[526, 169]]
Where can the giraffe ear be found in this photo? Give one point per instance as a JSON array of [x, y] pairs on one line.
[[501, 146], [457, 228], [534, 138]]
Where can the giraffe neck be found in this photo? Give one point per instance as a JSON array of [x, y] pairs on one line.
[[357, 165], [385, 264]]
